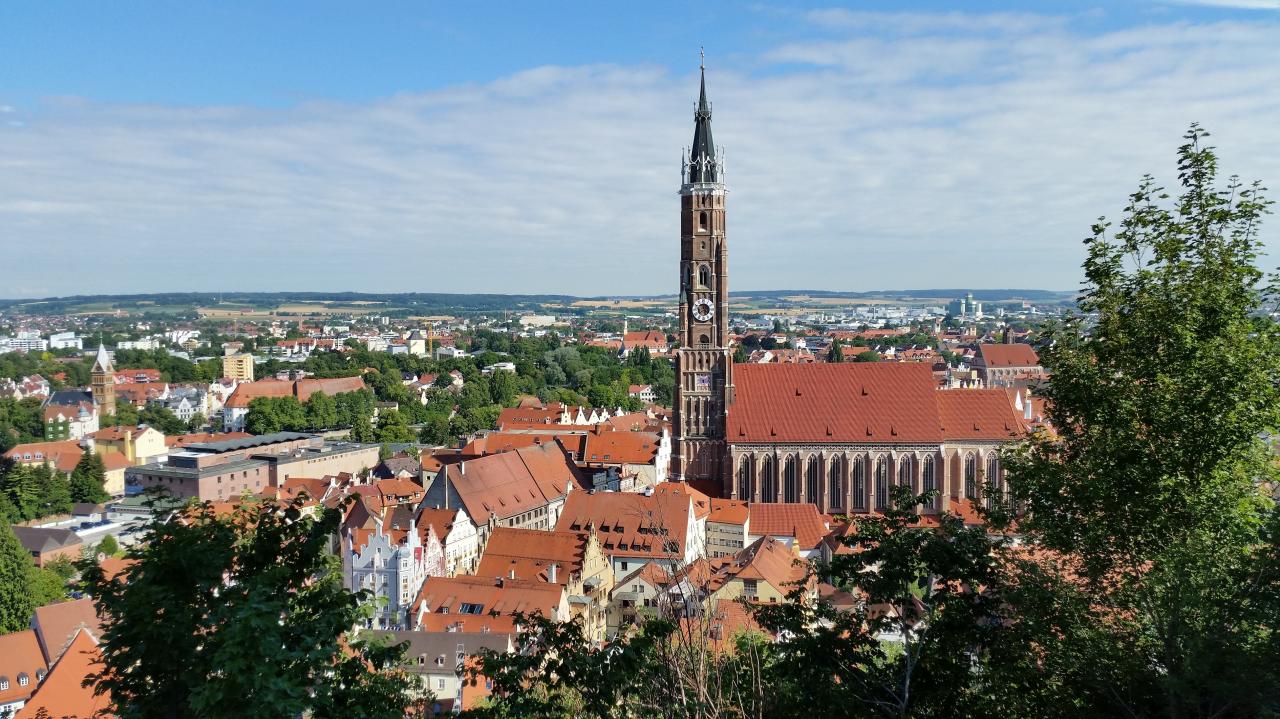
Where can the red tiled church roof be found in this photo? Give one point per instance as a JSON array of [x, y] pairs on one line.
[[1008, 355]]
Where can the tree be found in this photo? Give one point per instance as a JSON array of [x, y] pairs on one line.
[[836, 353], [322, 411], [162, 419], [435, 431], [262, 417], [16, 600], [867, 356], [739, 354], [265, 592], [54, 493], [109, 546], [19, 485], [1160, 585], [197, 422], [87, 480], [392, 428]]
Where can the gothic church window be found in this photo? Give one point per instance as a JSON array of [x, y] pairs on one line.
[[834, 493], [704, 275], [744, 479], [970, 476], [927, 478], [859, 483], [882, 483], [813, 481], [702, 222], [993, 480], [790, 481], [768, 481]]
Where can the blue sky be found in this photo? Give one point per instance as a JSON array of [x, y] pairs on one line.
[[533, 147]]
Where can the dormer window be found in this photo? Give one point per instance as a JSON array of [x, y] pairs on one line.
[[23, 680]]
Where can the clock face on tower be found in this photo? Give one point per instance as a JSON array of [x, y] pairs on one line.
[[703, 309]]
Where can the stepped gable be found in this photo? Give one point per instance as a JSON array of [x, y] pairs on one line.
[[834, 403]]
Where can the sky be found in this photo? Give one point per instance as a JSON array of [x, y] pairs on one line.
[[520, 147]]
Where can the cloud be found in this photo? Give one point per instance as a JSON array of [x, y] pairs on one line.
[[876, 151]]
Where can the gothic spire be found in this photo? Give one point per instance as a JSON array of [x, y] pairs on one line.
[[102, 363], [703, 163]]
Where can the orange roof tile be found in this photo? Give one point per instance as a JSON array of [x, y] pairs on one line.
[[63, 694], [56, 625], [530, 552], [1008, 355], [511, 482], [799, 520], [20, 656], [728, 511], [977, 414]]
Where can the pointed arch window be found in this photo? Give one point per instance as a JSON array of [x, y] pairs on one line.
[[835, 492], [704, 276], [859, 483], [813, 481], [790, 480], [768, 481], [970, 476], [906, 471], [704, 221], [745, 485], [992, 490], [882, 483], [928, 480]]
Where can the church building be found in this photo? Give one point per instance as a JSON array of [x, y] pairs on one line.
[[838, 435]]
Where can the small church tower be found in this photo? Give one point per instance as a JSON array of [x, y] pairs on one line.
[[102, 380], [704, 362]]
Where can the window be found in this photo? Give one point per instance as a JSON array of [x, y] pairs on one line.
[[993, 480], [790, 481], [702, 221], [744, 479], [440, 684], [23, 680], [970, 476], [768, 481], [927, 478], [704, 275], [834, 493], [4, 684], [906, 471], [882, 483], [813, 481], [859, 483]]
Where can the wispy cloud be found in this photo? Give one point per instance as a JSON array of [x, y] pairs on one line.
[[882, 151], [1235, 4]]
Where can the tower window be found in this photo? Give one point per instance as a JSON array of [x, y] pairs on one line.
[[702, 222], [704, 275]]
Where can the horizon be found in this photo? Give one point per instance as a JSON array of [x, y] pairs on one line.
[[877, 146]]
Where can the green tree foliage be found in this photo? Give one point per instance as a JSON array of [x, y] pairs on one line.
[[109, 546], [867, 356], [87, 480], [54, 495], [162, 419], [46, 586], [320, 411], [257, 627], [836, 352], [197, 422], [16, 568], [21, 421], [1153, 489], [392, 428]]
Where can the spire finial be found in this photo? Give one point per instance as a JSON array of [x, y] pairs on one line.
[[702, 53]]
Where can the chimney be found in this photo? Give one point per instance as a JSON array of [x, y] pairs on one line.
[[551, 573], [1026, 406]]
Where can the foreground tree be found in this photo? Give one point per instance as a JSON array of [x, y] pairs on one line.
[[87, 480], [1151, 583], [240, 615], [16, 600]]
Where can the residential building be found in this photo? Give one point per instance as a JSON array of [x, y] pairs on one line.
[[46, 544], [575, 560], [70, 421], [65, 341], [56, 625], [236, 407], [237, 366], [457, 533], [642, 392], [525, 488], [666, 525], [728, 526], [1007, 365], [485, 605], [63, 692], [140, 444], [391, 561], [22, 668], [438, 661], [797, 525]]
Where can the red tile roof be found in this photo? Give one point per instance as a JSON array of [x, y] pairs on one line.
[[443, 599], [978, 414], [302, 389], [881, 402], [530, 552], [636, 525], [56, 625], [799, 520], [182, 440], [63, 694], [511, 482], [20, 655], [1008, 355], [728, 511]]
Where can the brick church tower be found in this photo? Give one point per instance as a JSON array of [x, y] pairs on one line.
[[704, 362], [102, 381]]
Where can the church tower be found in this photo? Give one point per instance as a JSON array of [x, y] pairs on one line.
[[102, 380], [704, 362]]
